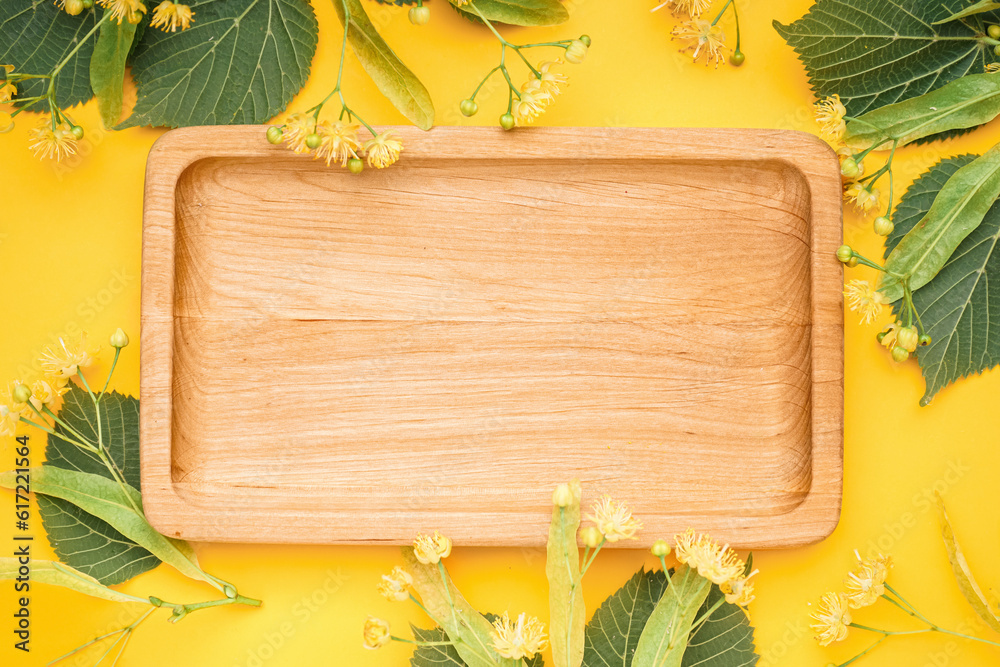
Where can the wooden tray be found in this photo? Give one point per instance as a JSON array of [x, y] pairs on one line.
[[329, 358]]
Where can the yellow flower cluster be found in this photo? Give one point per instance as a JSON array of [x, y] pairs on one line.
[[376, 633], [429, 550], [830, 115], [127, 10], [865, 585], [59, 363], [7, 88], [865, 300], [717, 563], [169, 16], [537, 93], [336, 142], [395, 587], [518, 639], [614, 520], [703, 39], [54, 142]]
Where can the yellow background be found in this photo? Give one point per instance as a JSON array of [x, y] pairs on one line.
[[70, 257]]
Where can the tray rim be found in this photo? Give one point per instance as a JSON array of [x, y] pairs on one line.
[[814, 518]]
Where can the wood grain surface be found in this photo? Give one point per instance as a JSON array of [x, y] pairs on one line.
[[329, 358]]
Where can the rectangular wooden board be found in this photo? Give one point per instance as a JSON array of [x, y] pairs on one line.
[[330, 358]]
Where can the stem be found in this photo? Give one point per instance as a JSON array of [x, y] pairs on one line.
[[182, 610], [56, 419], [416, 643], [704, 617], [126, 629], [48, 430], [483, 82], [593, 556], [863, 653], [114, 363], [891, 633], [719, 16], [505, 43]]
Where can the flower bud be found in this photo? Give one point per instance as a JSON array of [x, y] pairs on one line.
[[586, 40], [883, 226], [845, 253], [118, 339], [738, 58], [996, 50], [576, 51], [77, 132], [88, 4], [900, 354], [852, 262], [994, 31], [275, 135], [660, 549], [73, 7], [420, 15], [469, 107], [591, 537], [924, 340], [850, 168], [562, 496], [313, 141], [907, 338], [21, 393], [880, 336], [355, 165], [507, 121]]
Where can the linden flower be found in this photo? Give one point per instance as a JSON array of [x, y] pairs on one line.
[[532, 102], [297, 128], [832, 619], [704, 37], [718, 564], [394, 586], [693, 8], [888, 336], [739, 591], [376, 633], [338, 141], [7, 88], [128, 10], [550, 81], [520, 639], [65, 361], [866, 584], [830, 116], [863, 299], [169, 16], [614, 520], [52, 143], [430, 550], [993, 68], [383, 149], [15, 406], [864, 199], [846, 152], [8, 420], [43, 393]]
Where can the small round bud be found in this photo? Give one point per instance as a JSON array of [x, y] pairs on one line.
[[420, 15], [229, 591], [852, 262], [660, 549], [119, 339], [313, 141], [275, 135], [591, 537], [562, 496], [907, 338], [576, 51], [155, 601], [21, 393], [900, 354], [77, 132], [355, 165], [883, 226], [73, 7], [994, 31], [586, 40], [507, 121], [88, 4], [924, 340], [880, 336], [996, 50], [849, 168], [845, 253], [738, 58], [469, 107]]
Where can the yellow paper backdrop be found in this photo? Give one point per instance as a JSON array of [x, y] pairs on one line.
[[70, 257]]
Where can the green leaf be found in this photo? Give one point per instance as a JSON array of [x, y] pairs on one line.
[[447, 656], [958, 209], [393, 79], [92, 545], [470, 629], [957, 307], [106, 500], [35, 36], [614, 631], [874, 54], [978, 8], [726, 638], [567, 611], [119, 431], [241, 61], [963, 574], [55, 573], [964, 103], [664, 640], [520, 12], [107, 68]]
